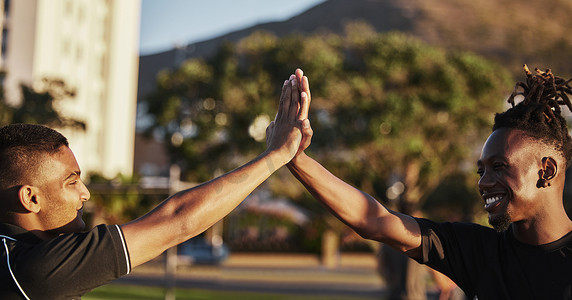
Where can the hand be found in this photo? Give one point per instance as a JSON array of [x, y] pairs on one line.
[[285, 132]]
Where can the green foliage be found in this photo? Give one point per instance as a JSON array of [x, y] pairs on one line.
[[119, 200], [456, 198], [385, 106], [39, 105]]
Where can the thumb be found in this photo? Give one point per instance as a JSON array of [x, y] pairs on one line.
[[307, 134], [269, 131]]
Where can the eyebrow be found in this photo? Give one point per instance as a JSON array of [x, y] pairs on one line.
[[74, 173], [496, 156]]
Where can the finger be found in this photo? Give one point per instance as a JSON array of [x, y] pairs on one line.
[[293, 78], [304, 107], [299, 75], [286, 109], [306, 87], [306, 126], [295, 99], [284, 94]]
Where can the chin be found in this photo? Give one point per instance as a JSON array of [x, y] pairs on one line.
[[500, 222]]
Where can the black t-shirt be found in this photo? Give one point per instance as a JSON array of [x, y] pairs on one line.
[[65, 267], [491, 265]]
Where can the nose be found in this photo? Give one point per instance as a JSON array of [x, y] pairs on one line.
[[486, 181], [85, 194]]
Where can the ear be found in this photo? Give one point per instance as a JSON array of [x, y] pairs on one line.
[[547, 173], [29, 198]]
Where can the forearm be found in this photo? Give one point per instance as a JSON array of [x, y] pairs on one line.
[[357, 209], [199, 208], [354, 207], [190, 212]]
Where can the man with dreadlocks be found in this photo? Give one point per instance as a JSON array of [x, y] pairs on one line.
[[528, 254]]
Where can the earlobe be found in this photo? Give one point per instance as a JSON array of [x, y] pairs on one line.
[[29, 198], [547, 173]]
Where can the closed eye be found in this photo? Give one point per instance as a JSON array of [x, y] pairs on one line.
[[498, 165]]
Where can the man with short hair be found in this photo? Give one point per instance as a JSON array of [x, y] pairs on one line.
[[528, 254], [44, 254]]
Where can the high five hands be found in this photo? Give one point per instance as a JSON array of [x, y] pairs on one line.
[[290, 131]]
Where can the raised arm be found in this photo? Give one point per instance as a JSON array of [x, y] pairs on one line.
[[357, 209], [190, 212]]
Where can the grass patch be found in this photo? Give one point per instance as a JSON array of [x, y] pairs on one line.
[[132, 292]]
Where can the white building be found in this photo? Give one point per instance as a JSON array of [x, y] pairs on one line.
[[93, 46]]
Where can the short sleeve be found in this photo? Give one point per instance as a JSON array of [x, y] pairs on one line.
[[458, 250], [71, 264]]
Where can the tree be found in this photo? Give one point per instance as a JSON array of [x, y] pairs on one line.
[[38, 105], [386, 108], [405, 111]]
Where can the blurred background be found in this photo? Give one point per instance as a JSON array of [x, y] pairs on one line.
[[157, 96]]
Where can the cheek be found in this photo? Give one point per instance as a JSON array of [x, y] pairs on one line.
[[52, 201], [71, 192], [522, 177], [524, 186]]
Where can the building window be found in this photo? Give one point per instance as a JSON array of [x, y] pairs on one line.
[[6, 8], [4, 43]]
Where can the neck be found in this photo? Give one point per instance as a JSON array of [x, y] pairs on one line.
[[542, 230], [31, 225]]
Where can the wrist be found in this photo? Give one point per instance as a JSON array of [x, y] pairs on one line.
[[275, 159], [298, 159]]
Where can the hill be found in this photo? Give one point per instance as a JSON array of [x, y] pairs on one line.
[[510, 32]]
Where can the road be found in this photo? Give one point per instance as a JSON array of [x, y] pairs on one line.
[[355, 275]]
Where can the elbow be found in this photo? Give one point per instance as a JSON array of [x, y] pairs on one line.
[[366, 232], [373, 229]]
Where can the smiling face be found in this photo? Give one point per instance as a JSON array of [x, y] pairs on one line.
[[509, 168], [62, 193]]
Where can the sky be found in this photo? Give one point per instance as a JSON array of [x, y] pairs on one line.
[[166, 23]]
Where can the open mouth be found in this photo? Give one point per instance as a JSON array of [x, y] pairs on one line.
[[493, 201]]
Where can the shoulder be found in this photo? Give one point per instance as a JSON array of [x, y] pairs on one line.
[[440, 239], [70, 264], [102, 244], [460, 229]]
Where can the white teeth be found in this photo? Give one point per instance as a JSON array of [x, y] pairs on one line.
[[492, 200]]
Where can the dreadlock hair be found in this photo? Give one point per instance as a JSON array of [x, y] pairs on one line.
[[539, 114], [21, 146]]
